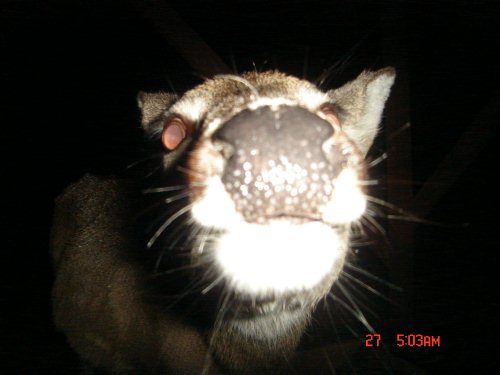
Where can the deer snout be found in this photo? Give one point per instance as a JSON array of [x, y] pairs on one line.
[[280, 161]]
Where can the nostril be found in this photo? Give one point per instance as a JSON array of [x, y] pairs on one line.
[[224, 148], [330, 112], [334, 154]]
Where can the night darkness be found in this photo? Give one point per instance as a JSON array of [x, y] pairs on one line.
[[70, 74]]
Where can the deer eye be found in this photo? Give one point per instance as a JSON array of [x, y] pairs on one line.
[[330, 113], [175, 130]]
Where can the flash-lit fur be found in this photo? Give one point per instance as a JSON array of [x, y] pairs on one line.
[[280, 226]]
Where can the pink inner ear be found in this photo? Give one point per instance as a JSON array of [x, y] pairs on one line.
[[172, 136]]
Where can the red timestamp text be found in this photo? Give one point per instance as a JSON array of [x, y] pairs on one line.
[[410, 340], [372, 340]]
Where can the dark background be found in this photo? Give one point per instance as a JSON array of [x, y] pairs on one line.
[[70, 71]]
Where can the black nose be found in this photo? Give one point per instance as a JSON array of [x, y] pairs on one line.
[[278, 165]]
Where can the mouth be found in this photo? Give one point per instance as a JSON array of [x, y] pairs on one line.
[[294, 219], [249, 308], [286, 256]]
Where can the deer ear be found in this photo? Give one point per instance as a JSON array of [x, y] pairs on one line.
[[362, 102], [153, 106]]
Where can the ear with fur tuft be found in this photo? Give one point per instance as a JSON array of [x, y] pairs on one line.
[[362, 102], [152, 106]]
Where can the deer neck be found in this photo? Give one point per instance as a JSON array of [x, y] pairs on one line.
[[259, 342]]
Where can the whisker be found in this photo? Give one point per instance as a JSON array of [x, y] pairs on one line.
[[367, 287], [254, 67], [359, 243], [255, 92], [339, 66], [359, 295], [143, 160], [212, 284], [306, 63], [204, 240], [391, 206], [329, 363], [177, 197], [345, 323], [224, 306], [414, 219], [375, 225], [174, 270], [356, 314], [407, 216], [359, 236], [368, 182], [378, 160], [403, 128], [264, 63], [150, 207], [195, 232], [153, 171], [374, 210], [192, 288], [372, 276], [233, 64], [177, 234], [164, 189], [171, 85], [361, 317], [371, 225], [169, 221], [357, 229]]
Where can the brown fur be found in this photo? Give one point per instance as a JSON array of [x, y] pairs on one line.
[[97, 292]]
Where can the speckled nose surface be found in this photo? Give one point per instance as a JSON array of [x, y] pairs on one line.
[[278, 165]]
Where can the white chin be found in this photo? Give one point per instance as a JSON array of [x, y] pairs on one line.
[[278, 257]]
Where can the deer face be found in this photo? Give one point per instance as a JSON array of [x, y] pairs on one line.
[[275, 172]]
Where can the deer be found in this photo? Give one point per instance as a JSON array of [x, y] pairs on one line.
[[261, 178]]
